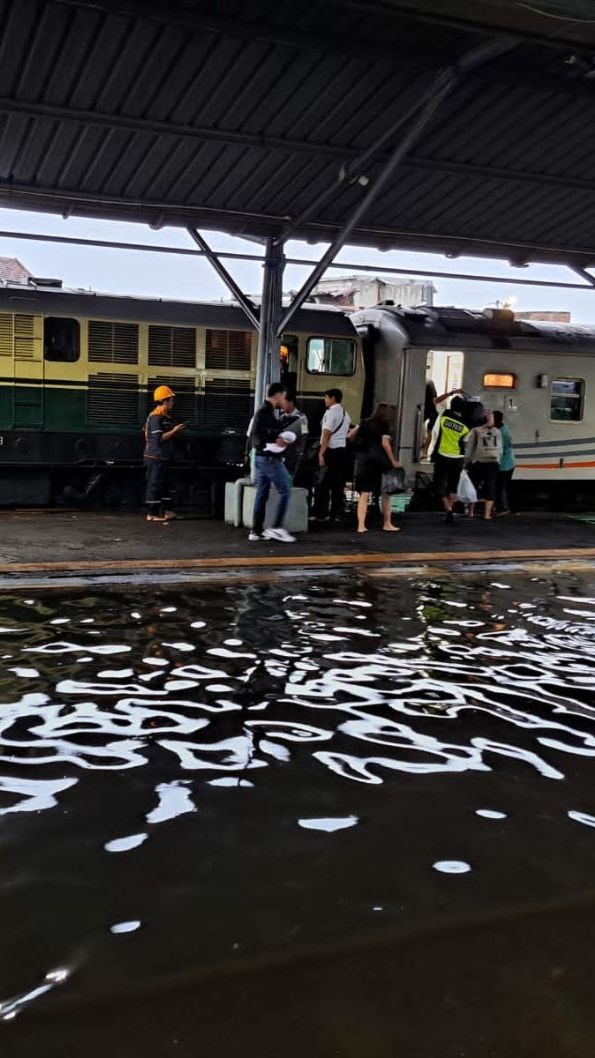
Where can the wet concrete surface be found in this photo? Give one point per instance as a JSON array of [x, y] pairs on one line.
[[79, 537]]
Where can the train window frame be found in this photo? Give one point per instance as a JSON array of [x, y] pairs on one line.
[[499, 385], [75, 353], [580, 397], [331, 338]]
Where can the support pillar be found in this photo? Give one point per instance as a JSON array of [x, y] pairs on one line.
[[271, 309]]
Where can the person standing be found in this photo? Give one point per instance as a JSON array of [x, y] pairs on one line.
[[507, 465], [269, 466], [484, 452], [374, 456], [448, 455], [295, 420], [332, 459], [159, 435]]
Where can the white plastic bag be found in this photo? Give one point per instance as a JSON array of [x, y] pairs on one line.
[[466, 491]]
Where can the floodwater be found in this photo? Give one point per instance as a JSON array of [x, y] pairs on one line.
[[340, 814]]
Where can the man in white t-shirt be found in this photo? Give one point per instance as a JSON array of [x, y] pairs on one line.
[[332, 459]]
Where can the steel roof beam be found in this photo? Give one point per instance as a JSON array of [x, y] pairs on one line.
[[213, 259], [354, 159], [185, 251], [434, 96], [439, 17], [158, 214], [584, 274], [57, 112], [441, 87], [333, 43], [277, 34], [492, 172]]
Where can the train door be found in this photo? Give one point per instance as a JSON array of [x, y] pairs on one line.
[[288, 357], [445, 369], [28, 372], [443, 374]]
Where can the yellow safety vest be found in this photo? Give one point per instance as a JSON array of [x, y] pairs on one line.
[[451, 432]]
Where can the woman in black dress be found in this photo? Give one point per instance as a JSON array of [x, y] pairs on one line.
[[374, 456]]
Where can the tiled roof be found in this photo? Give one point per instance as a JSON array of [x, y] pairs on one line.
[[12, 271]]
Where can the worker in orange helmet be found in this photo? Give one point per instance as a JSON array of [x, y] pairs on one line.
[[159, 436]]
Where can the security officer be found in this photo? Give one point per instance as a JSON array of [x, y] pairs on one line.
[[448, 455], [159, 435]]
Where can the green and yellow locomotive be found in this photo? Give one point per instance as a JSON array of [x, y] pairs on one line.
[[77, 371]]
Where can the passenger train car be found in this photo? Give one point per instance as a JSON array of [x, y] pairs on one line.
[[77, 370], [541, 375]]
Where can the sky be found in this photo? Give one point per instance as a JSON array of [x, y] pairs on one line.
[[170, 276]]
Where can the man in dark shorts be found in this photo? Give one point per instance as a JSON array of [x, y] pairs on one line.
[[449, 455]]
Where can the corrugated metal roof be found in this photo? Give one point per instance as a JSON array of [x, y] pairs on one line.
[[234, 116]]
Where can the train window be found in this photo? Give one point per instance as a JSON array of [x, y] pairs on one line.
[[567, 399], [499, 380], [330, 356], [61, 339]]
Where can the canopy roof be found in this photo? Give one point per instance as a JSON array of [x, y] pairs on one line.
[[253, 118]]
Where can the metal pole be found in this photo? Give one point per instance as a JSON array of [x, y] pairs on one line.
[[441, 87], [349, 174], [267, 363], [229, 281], [580, 271]]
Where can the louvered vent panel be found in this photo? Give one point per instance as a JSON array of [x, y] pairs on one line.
[[183, 387], [172, 346], [229, 350], [113, 343], [227, 403], [6, 333], [112, 399], [24, 325], [27, 346]]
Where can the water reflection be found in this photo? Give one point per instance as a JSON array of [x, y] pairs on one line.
[[393, 697], [452, 867], [323, 700], [9, 1008]]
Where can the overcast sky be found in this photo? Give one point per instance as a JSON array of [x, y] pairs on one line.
[[170, 276]]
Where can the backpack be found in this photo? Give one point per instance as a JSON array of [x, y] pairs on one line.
[[473, 413], [489, 444]]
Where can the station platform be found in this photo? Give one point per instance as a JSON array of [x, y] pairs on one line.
[[65, 544]]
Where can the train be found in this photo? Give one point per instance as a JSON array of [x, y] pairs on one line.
[[77, 373], [541, 375], [78, 368]]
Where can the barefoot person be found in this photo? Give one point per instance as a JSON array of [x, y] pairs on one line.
[[374, 456], [159, 435]]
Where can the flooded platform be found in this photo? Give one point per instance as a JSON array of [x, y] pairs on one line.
[[58, 545], [293, 817]]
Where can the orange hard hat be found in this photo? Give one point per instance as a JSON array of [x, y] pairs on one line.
[[162, 393]]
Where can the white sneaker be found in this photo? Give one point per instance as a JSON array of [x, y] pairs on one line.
[[255, 536], [279, 534]]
